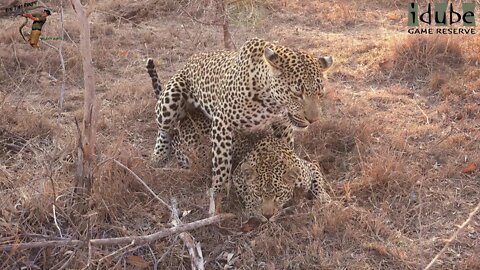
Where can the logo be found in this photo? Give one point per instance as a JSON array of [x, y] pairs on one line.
[[31, 11], [24, 6], [443, 18]]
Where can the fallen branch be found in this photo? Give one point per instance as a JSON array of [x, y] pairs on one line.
[[194, 249], [53, 243], [138, 240], [454, 235]]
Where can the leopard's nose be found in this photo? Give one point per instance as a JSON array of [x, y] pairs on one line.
[[310, 120], [312, 111], [267, 215]]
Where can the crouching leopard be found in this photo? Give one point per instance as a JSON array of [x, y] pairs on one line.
[[241, 91], [267, 178]]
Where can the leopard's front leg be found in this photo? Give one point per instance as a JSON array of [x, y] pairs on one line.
[[222, 139], [318, 184]]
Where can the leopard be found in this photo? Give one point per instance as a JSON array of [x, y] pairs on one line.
[[245, 90], [191, 134], [271, 176]]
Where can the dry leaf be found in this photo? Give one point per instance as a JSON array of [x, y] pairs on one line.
[[393, 16], [137, 261], [386, 64], [472, 166], [315, 230], [247, 228], [251, 224]]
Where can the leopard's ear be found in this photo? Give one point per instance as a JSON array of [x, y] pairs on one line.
[[292, 175], [326, 61], [273, 61], [248, 171]]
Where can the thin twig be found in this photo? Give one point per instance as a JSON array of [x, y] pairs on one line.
[[164, 255], [54, 202], [155, 261], [117, 251], [424, 114], [62, 61], [454, 235], [55, 219], [194, 249], [144, 184], [67, 262]]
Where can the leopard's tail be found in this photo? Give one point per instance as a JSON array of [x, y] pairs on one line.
[[157, 86]]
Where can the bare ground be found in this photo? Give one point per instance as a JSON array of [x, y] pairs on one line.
[[399, 142]]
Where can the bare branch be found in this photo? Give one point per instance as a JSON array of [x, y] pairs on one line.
[[52, 243], [194, 251], [138, 240]]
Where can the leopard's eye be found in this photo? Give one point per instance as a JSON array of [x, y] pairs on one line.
[[297, 92]]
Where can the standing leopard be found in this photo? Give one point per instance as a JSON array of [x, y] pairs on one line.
[[241, 91], [192, 132], [267, 178]]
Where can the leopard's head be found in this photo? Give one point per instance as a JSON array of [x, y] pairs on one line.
[[297, 82], [270, 189]]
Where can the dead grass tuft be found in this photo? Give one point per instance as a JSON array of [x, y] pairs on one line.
[[417, 57], [383, 174], [26, 124]]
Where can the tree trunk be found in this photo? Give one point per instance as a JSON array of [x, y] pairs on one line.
[[86, 149], [227, 37]]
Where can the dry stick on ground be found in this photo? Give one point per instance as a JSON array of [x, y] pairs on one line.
[[86, 162], [139, 240], [194, 249], [454, 235]]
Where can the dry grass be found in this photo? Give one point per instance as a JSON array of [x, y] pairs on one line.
[[417, 57], [394, 143]]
